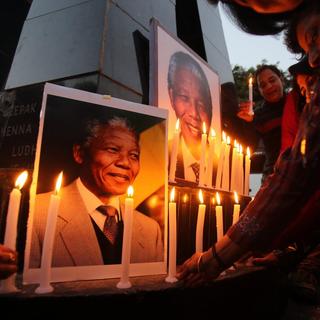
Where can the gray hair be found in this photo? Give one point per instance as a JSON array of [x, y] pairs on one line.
[[93, 127], [181, 60]]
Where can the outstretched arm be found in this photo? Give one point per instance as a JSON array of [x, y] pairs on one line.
[[206, 266]]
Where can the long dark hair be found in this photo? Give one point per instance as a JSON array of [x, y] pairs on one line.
[[290, 34], [254, 22]]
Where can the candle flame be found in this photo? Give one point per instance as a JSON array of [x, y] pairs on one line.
[[172, 194], [235, 143], [218, 198], [303, 146], [248, 152], [240, 149], [177, 125], [21, 179], [59, 182], [130, 191], [200, 196], [185, 198], [228, 140], [204, 128], [250, 81], [213, 133], [224, 136], [236, 199]]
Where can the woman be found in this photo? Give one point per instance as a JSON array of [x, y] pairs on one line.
[[267, 117], [296, 100], [286, 207]]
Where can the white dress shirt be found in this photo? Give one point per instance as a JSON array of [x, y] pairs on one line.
[[92, 202], [188, 160]]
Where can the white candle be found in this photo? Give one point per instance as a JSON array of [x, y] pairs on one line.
[[174, 153], [126, 243], [172, 239], [236, 209], [226, 167], [200, 223], [237, 170], [247, 173], [250, 96], [48, 242], [212, 147], [203, 155], [219, 218], [221, 159], [234, 165], [241, 174], [10, 236]]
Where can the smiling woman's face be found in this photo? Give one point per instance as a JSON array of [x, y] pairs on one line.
[[270, 85], [270, 6]]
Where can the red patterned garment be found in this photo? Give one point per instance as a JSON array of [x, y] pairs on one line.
[[289, 200]]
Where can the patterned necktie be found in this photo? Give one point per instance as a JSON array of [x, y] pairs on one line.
[[110, 228], [196, 169]]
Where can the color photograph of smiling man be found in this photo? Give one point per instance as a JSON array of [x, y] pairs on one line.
[[89, 228]]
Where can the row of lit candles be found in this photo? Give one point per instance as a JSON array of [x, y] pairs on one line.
[[238, 180], [199, 227], [8, 285], [240, 172]]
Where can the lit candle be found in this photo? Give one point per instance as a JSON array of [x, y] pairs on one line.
[[234, 165], [172, 239], [203, 155], [221, 159], [236, 209], [10, 237], [219, 217], [226, 167], [250, 97], [212, 147], [174, 153], [126, 243], [237, 170], [247, 172], [200, 223], [48, 242], [241, 174]]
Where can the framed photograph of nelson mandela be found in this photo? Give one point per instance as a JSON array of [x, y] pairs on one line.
[[184, 84], [104, 146]]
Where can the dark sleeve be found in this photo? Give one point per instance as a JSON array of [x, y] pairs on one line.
[[286, 192]]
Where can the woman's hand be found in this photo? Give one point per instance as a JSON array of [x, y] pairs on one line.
[[206, 266], [199, 269], [244, 111], [269, 260], [8, 262]]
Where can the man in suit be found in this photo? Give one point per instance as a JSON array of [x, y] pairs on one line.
[[108, 156], [190, 98]]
